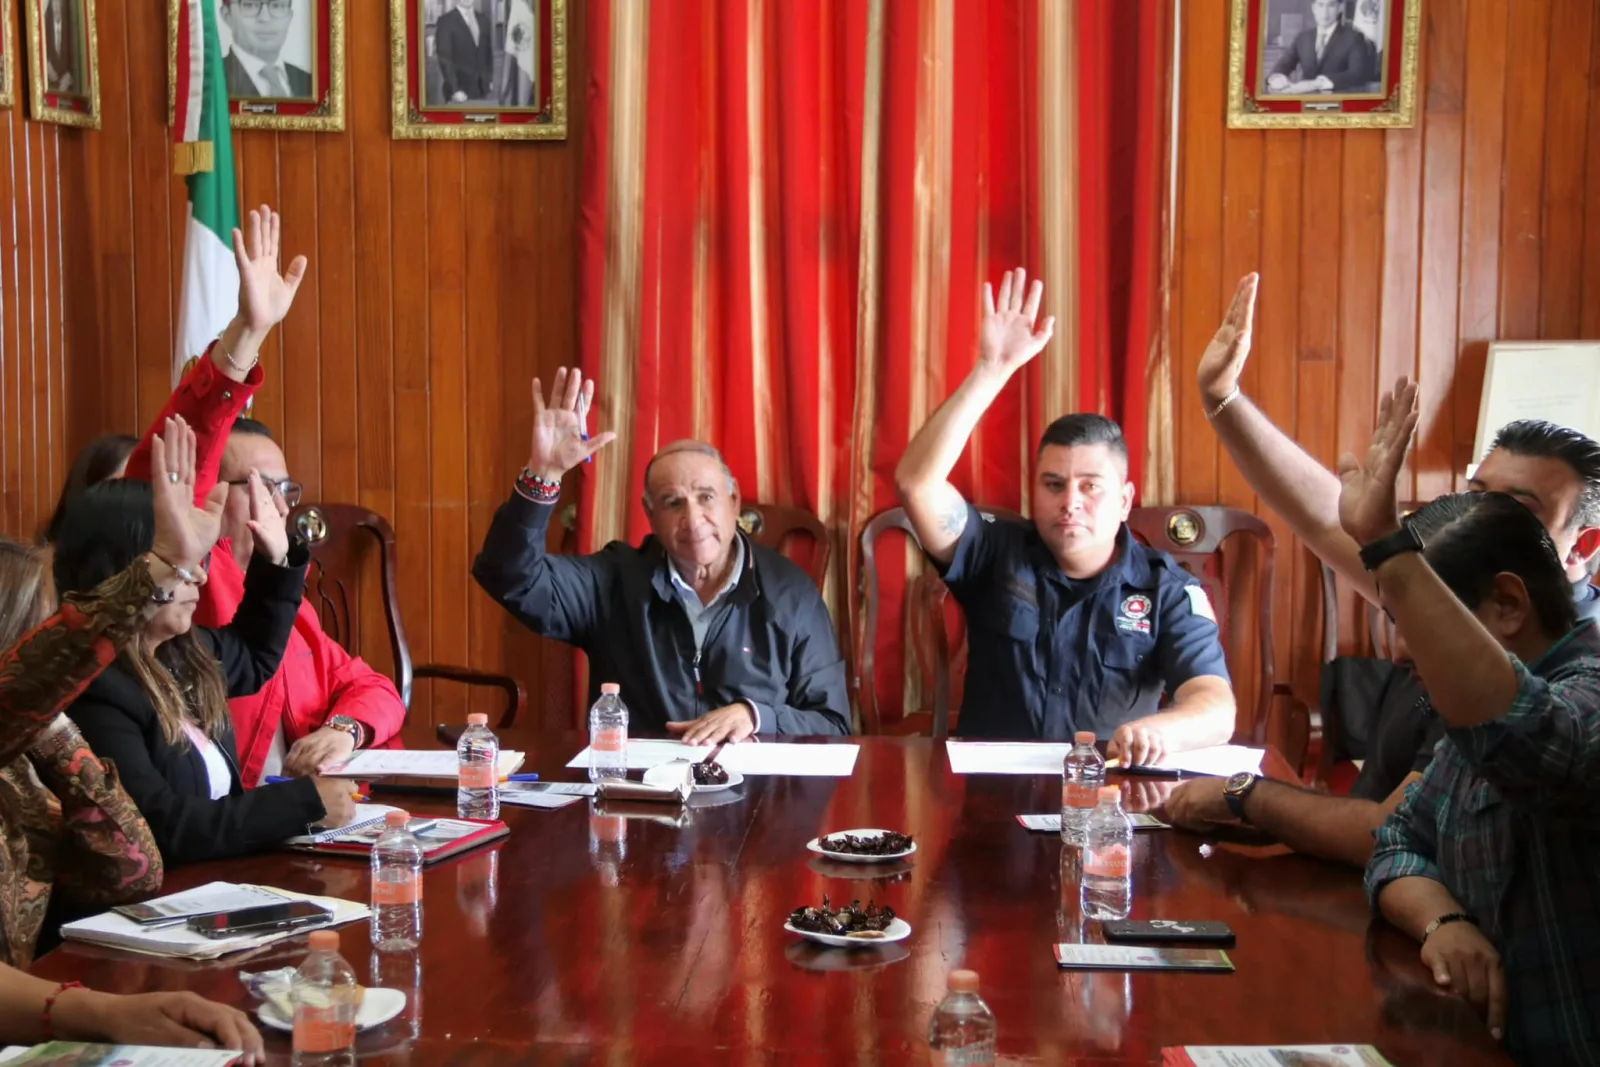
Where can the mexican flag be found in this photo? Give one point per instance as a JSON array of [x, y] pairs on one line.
[[205, 153]]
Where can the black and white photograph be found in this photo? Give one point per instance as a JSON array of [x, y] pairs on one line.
[[63, 82], [481, 53], [269, 48], [1323, 46], [63, 48]]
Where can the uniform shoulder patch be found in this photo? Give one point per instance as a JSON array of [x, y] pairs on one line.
[[1199, 603]]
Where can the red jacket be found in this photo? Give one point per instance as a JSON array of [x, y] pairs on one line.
[[317, 678]]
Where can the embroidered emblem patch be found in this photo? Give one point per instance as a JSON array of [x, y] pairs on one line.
[[1133, 617]]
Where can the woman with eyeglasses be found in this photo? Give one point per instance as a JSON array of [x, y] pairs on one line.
[[160, 712]]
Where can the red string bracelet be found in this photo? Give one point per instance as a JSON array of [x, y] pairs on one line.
[[49, 1006]]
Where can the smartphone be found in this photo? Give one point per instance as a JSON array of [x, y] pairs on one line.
[[1158, 931], [290, 915]]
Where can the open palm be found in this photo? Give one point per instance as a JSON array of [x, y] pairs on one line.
[[1368, 507], [1007, 338], [1223, 360], [558, 444], [265, 295], [183, 533]]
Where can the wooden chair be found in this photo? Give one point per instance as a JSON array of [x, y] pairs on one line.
[[1194, 536], [780, 528], [925, 637], [331, 531]]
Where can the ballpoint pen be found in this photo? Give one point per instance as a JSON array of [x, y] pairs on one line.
[[583, 422], [520, 778]]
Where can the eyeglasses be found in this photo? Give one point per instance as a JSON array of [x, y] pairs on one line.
[[278, 9], [287, 488]]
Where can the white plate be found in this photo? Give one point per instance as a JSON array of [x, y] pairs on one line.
[[378, 1006], [815, 845], [734, 778], [898, 930]]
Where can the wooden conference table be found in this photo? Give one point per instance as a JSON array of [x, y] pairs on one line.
[[597, 938]]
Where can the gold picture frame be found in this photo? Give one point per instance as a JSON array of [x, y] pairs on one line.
[[54, 94], [416, 116], [8, 63], [321, 112], [1390, 100]]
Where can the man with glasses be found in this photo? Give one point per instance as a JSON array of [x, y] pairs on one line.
[[255, 63], [323, 703]]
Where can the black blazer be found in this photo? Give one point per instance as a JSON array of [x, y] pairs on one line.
[[466, 66], [1349, 61], [168, 782], [241, 84]]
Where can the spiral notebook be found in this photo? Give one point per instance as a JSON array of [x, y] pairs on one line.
[[367, 817], [440, 838]]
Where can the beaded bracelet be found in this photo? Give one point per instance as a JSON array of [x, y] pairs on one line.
[[532, 487], [49, 1006]]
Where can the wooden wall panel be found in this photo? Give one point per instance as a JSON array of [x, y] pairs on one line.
[[1389, 252], [442, 278]]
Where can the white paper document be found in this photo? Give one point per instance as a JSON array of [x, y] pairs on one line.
[[180, 942], [527, 798], [1051, 824], [80, 1054], [1046, 757], [1273, 1056], [413, 763], [749, 757]]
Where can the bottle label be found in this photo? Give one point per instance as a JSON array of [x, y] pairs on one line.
[[1079, 795], [1112, 862], [609, 738], [478, 774], [321, 1030], [403, 891]]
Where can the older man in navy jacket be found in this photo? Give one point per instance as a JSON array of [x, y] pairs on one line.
[[711, 636]]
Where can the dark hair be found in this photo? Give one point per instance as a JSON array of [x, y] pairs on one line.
[[247, 425], [1546, 440], [1471, 537], [1086, 428], [105, 530], [99, 459]]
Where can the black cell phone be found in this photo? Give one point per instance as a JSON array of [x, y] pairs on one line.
[[1160, 931], [248, 922]]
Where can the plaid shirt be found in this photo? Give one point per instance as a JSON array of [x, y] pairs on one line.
[[1505, 817]]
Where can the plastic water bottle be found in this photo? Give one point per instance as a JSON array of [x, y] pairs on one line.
[[962, 1033], [396, 886], [478, 757], [326, 998], [608, 735], [1083, 772], [1108, 860]]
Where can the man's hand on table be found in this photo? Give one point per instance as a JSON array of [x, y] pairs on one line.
[[732, 724]]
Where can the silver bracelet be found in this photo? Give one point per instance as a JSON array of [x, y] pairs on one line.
[[1222, 406], [246, 368]]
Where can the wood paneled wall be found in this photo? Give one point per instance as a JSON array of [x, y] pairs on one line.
[[443, 278], [1387, 252]]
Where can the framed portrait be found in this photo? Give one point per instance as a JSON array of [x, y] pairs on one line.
[[283, 61], [63, 75], [479, 69], [8, 63], [1323, 63]]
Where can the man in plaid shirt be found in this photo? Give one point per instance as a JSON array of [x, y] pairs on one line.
[[1490, 861]]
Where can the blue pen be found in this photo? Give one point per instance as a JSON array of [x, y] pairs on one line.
[[274, 779], [523, 778], [583, 429]]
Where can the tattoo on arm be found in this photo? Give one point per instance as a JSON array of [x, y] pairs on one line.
[[954, 520]]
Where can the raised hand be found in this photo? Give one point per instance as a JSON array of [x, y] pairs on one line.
[[1223, 360], [558, 443], [1368, 508], [184, 533], [268, 527], [1007, 338], [265, 295]]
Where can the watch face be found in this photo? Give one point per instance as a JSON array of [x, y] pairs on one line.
[[1237, 782]]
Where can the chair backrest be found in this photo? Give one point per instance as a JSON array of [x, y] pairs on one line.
[[333, 532], [779, 528], [1194, 536]]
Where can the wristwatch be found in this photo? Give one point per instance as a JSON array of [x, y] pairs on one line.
[[1453, 917], [349, 726], [1236, 789], [1405, 539]]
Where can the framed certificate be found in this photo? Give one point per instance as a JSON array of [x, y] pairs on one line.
[[1558, 381]]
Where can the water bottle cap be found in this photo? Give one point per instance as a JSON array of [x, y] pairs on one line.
[[963, 981], [1083, 737], [1110, 794], [610, 688], [396, 818], [477, 718], [324, 940]]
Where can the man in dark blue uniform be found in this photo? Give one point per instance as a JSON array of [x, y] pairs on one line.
[[1071, 624]]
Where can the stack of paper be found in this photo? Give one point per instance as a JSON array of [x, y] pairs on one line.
[[749, 757], [1045, 757], [545, 794], [57, 1053], [180, 942], [1247, 1056], [414, 763]]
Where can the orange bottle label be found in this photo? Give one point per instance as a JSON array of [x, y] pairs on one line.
[[1113, 862], [321, 1030], [1078, 795], [477, 776], [405, 891], [609, 739]]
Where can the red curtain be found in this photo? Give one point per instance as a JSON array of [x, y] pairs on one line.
[[790, 209]]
